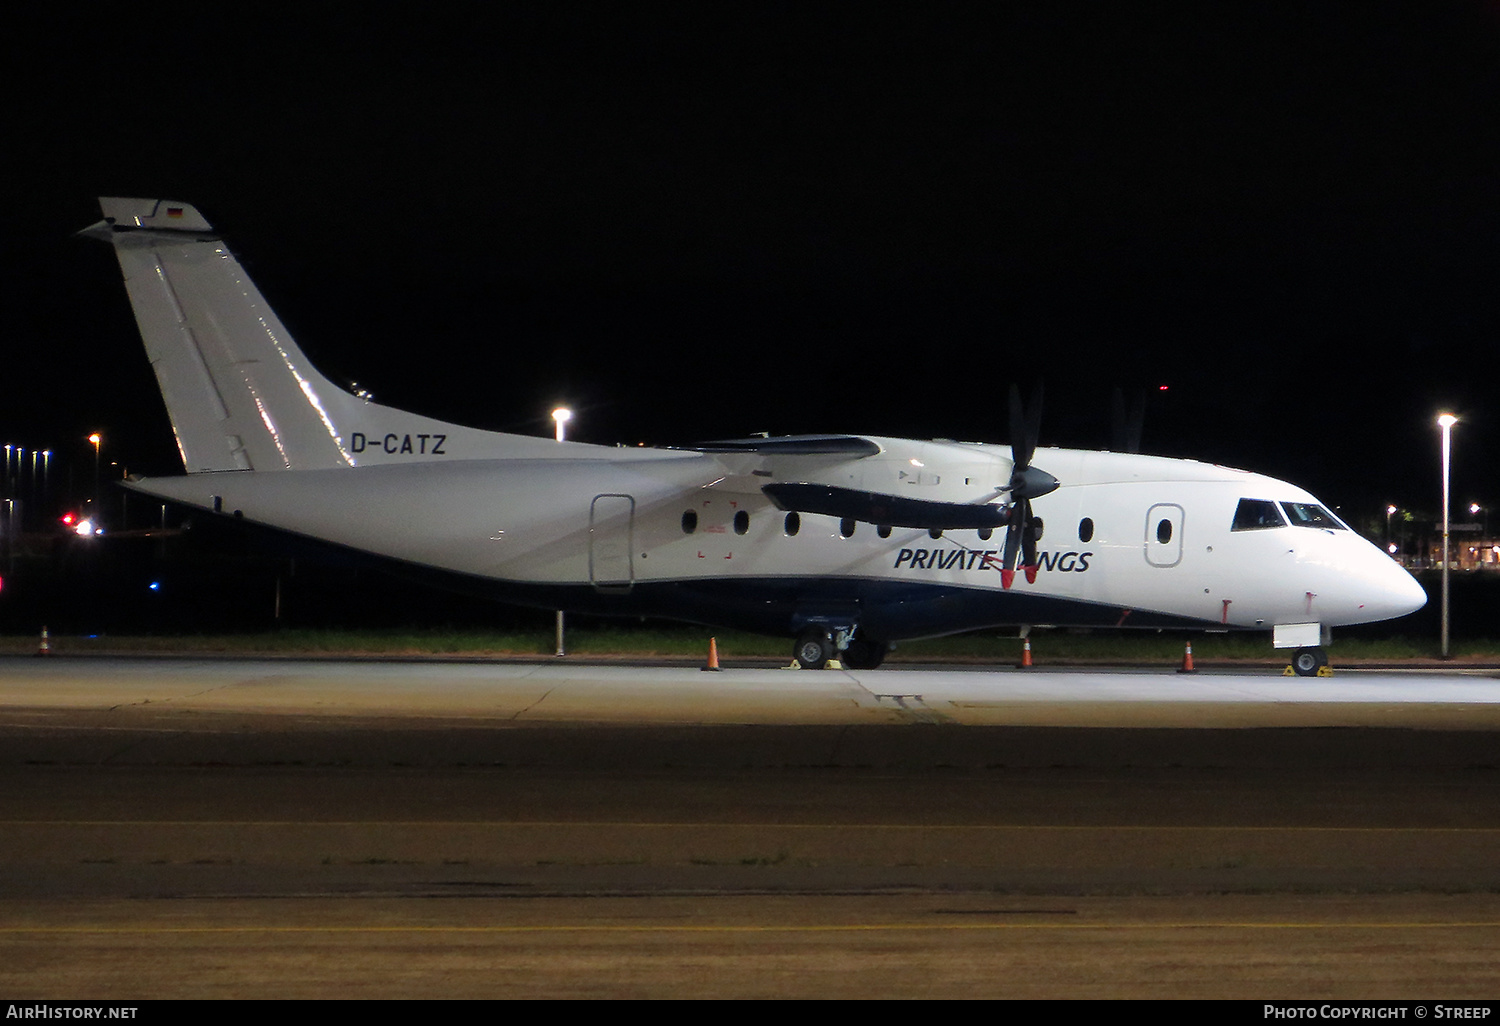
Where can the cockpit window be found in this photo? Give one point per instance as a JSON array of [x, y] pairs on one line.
[[1306, 514], [1256, 515]]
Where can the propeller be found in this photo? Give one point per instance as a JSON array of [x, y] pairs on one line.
[[1126, 425], [1026, 483]]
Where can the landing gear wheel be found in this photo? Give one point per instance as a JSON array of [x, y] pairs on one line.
[[865, 654], [1308, 661], [813, 650]]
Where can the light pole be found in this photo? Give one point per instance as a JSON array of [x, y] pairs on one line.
[[1446, 422], [95, 438], [10, 534], [560, 417], [1388, 511]]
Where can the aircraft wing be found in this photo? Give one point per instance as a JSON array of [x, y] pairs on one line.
[[792, 445], [878, 508]]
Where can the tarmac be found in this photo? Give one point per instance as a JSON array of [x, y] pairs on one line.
[[224, 827]]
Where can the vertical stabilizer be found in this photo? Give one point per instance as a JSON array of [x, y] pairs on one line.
[[241, 394]]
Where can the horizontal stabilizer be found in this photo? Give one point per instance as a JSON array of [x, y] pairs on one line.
[[132, 215], [876, 508]]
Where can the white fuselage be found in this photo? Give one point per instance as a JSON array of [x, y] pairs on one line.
[[612, 522]]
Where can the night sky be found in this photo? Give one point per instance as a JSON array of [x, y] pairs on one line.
[[697, 221]]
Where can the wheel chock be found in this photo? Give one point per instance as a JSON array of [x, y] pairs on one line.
[[1289, 672], [833, 664], [1325, 670]]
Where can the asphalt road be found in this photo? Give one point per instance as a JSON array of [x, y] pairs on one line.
[[222, 828]]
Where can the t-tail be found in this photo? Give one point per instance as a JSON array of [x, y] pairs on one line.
[[239, 391]]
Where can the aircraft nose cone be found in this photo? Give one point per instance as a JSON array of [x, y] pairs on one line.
[[1400, 592], [1411, 594]]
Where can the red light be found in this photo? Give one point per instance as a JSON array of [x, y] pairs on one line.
[[1161, 388], [68, 519]]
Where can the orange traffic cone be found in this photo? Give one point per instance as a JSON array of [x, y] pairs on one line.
[[1187, 659], [713, 654], [1025, 653], [45, 649]]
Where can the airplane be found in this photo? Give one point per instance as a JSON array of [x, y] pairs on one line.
[[845, 543]]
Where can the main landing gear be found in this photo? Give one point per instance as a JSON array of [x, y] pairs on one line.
[[817, 646]]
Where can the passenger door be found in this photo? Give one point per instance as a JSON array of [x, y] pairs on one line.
[[612, 542]]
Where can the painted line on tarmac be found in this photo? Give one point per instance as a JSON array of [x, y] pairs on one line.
[[748, 824], [727, 928]]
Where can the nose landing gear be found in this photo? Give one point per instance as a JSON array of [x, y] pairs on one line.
[[1310, 662]]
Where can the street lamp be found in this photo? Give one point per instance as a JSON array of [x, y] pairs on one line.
[[1389, 510], [561, 416], [1446, 422]]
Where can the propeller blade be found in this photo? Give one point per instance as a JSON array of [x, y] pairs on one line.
[[1028, 547], [1127, 425], [1033, 422], [1020, 454], [1020, 511]]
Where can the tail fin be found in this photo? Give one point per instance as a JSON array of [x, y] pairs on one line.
[[240, 393]]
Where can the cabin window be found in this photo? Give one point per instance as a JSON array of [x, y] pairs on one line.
[[741, 522], [1307, 514], [1164, 531], [1086, 530], [846, 527], [985, 533], [690, 521], [1256, 515], [792, 524], [884, 530], [934, 533]]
